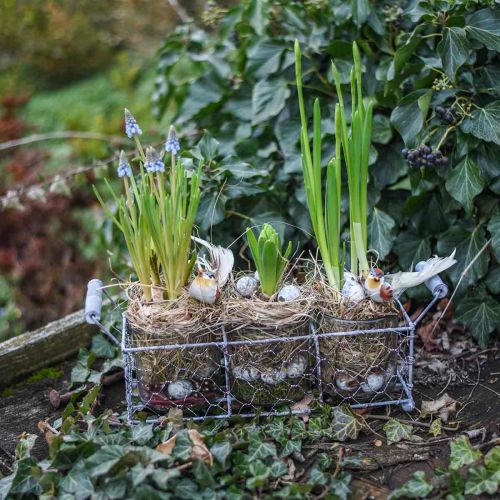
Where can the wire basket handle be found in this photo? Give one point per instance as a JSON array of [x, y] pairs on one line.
[[436, 285], [93, 308]]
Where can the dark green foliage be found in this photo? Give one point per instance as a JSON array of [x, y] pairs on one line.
[[434, 71]]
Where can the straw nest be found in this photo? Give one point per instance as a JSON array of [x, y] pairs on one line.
[[354, 356], [164, 322], [260, 317]]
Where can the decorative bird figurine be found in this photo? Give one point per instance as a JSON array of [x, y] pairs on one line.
[[212, 273], [382, 288]]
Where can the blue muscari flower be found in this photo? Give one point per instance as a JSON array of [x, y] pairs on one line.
[[131, 126], [172, 145], [153, 161], [124, 168]]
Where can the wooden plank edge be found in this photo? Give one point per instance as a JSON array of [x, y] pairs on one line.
[[54, 342]]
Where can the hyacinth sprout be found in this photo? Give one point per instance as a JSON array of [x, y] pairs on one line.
[[269, 258], [156, 214]]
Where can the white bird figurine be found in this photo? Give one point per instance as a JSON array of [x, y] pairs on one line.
[[382, 288], [212, 273]]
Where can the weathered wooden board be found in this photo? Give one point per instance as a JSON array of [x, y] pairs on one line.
[[43, 347]]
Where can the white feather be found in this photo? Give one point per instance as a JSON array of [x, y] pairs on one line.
[[399, 282], [221, 260]]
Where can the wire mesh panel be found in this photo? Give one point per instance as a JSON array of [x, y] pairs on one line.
[[269, 367], [250, 371]]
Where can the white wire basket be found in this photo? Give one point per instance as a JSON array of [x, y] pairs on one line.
[[218, 379]]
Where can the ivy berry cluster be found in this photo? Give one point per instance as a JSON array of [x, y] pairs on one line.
[[446, 115], [424, 156]]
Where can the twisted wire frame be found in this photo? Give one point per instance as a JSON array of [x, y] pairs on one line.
[[271, 375]]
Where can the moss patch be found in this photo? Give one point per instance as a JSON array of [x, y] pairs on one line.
[[44, 373]]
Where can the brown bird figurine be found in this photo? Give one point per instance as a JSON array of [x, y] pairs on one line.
[[212, 273]]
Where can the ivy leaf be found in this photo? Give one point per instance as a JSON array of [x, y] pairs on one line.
[[340, 486], [494, 229], [465, 183], [141, 433], [102, 348], [240, 169], [382, 130], [484, 123], [78, 482], [345, 424], [493, 280], [264, 58], [481, 315], [484, 26], [360, 11], [261, 449], [258, 16], [468, 243], [260, 473], [221, 450], [409, 116], [480, 481], [268, 99], [211, 210], [103, 460], [291, 447], [403, 54], [453, 50], [411, 248], [435, 428], [416, 487], [202, 93], [492, 459], [397, 431], [381, 232], [462, 453]]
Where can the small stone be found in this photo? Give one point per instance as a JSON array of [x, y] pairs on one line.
[[374, 382], [180, 389], [288, 293], [246, 286]]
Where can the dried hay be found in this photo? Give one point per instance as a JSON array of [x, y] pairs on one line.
[[177, 322], [354, 357]]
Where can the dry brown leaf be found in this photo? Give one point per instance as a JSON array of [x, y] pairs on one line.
[[303, 406], [167, 447], [292, 469], [48, 434], [445, 405], [200, 450], [425, 332]]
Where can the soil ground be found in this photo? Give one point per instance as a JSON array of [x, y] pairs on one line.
[[384, 468]]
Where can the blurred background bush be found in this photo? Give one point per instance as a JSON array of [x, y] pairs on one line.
[[226, 78]]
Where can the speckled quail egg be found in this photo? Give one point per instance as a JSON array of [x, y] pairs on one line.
[[345, 382], [180, 389], [352, 289], [248, 374], [273, 377], [297, 367], [373, 381], [288, 293], [246, 286]]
